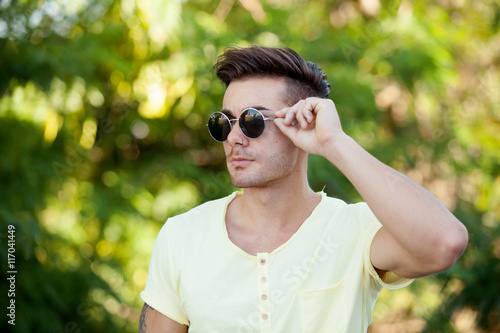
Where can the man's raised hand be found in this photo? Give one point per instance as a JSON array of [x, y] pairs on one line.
[[312, 124]]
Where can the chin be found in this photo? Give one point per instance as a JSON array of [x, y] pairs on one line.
[[254, 182], [245, 182], [238, 183]]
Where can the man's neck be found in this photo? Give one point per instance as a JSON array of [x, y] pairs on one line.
[[262, 219], [275, 209]]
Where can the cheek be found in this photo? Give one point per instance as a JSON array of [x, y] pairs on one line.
[[227, 147], [274, 135], [281, 147], [283, 141]]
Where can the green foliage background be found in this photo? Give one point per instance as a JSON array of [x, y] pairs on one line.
[[102, 113]]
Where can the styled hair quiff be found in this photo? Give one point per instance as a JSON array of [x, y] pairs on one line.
[[304, 79]]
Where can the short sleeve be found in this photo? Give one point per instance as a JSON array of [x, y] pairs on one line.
[[371, 226], [162, 286]]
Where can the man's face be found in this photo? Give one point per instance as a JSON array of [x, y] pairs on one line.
[[270, 158]]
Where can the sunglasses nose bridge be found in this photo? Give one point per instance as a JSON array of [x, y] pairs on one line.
[[231, 122], [235, 136]]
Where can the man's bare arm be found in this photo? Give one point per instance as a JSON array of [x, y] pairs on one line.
[[420, 236], [152, 321]]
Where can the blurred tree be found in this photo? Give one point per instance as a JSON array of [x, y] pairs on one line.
[[102, 113]]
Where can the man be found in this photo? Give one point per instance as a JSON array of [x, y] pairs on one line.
[[278, 257]]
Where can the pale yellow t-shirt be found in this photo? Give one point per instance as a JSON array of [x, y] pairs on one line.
[[319, 281]]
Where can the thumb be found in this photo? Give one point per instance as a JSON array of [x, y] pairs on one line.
[[289, 131]]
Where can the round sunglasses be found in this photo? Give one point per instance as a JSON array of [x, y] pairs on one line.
[[251, 121]]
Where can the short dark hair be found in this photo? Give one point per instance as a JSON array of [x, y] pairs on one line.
[[304, 79]]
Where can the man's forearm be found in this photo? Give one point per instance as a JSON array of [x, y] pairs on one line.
[[414, 217]]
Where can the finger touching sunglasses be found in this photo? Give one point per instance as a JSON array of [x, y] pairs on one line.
[[251, 121]]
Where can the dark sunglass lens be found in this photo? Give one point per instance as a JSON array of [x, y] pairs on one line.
[[219, 126], [252, 123]]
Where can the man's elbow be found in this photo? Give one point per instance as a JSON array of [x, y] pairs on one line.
[[453, 245]]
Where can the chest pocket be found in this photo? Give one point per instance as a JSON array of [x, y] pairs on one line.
[[325, 310]]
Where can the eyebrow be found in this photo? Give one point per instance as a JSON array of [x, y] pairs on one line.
[[229, 113]]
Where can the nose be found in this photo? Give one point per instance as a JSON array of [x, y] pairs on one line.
[[236, 136]]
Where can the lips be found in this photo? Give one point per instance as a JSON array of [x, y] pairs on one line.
[[239, 161]]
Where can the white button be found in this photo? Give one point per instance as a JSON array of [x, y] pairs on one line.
[[264, 316], [263, 279], [264, 297]]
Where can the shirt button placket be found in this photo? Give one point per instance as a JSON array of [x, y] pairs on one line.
[[264, 298]]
